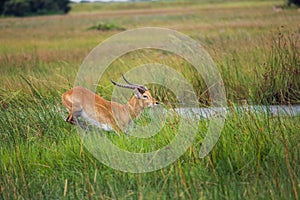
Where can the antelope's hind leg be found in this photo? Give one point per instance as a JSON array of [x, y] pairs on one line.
[[71, 119]]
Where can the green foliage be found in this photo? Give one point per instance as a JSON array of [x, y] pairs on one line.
[[2, 5], [16, 7], [33, 7], [109, 26], [295, 2]]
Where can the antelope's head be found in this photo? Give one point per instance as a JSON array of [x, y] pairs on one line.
[[141, 94]]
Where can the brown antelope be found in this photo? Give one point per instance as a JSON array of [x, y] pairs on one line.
[[277, 8], [108, 115]]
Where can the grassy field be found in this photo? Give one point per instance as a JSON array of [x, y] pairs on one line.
[[256, 51]]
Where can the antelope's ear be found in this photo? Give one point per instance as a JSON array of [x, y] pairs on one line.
[[137, 93]]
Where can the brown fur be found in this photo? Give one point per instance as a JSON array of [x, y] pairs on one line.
[[105, 112]]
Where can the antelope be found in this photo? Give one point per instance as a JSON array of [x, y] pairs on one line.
[[277, 8], [107, 115]]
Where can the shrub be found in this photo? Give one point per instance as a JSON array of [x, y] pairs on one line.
[[110, 26]]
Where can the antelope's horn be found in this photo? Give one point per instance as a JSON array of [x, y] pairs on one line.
[[123, 86], [141, 87], [128, 81]]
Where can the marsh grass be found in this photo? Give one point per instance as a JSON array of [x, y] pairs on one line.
[[282, 70], [40, 153], [256, 157]]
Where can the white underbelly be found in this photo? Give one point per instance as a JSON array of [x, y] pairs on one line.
[[103, 126], [106, 127]]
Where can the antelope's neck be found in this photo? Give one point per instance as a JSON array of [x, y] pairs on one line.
[[135, 108]]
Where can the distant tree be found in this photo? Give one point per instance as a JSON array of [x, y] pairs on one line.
[[16, 7], [2, 6], [63, 5], [296, 2], [34, 7]]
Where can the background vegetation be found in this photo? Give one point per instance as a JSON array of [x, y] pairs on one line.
[[256, 51], [33, 7], [296, 2]]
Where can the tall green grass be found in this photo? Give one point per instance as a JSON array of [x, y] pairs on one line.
[[273, 75], [257, 156]]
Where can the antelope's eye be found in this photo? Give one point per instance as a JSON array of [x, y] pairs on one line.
[[145, 97]]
